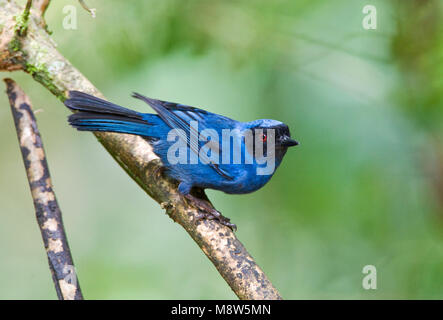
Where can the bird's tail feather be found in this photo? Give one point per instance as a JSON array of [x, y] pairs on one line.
[[80, 101], [95, 114]]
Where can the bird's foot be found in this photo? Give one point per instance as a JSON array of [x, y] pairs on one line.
[[208, 212], [219, 217]]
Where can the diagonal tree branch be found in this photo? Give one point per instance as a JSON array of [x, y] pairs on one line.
[[35, 53], [40, 6], [49, 216]]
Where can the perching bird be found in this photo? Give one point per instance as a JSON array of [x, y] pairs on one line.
[[205, 162]]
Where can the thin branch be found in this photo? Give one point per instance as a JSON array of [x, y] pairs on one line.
[[49, 216], [22, 20], [41, 6], [37, 55], [91, 11], [28, 8]]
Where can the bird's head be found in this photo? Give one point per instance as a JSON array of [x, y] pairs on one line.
[[271, 138], [264, 128]]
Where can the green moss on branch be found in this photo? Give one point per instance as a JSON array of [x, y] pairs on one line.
[[22, 20], [42, 75]]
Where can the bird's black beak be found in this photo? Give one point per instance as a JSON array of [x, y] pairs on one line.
[[288, 142]]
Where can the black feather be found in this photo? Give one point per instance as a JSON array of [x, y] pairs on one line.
[[81, 101], [80, 116], [172, 106]]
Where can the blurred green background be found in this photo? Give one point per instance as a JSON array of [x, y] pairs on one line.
[[365, 187]]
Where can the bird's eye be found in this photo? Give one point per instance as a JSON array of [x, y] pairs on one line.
[[264, 138]]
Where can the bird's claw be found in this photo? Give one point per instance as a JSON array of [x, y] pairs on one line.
[[209, 213], [215, 215]]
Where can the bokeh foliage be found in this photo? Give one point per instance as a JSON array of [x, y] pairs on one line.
[[360, 189]]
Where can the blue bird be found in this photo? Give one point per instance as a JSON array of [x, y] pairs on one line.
[[187, 140]]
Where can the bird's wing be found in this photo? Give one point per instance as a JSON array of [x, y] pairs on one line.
[[178, 116]]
